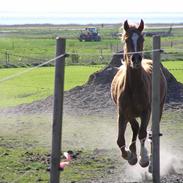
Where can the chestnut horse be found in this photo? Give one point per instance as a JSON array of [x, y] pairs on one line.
[[131, 91]]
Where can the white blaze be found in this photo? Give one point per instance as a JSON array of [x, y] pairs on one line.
[[134, 39]]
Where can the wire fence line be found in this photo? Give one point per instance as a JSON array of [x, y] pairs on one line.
[[29, 69], [85, 54], [111, 54], [17, 55], [176, 69], [163, 50]]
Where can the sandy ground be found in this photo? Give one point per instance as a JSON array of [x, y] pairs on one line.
[[97, 133]]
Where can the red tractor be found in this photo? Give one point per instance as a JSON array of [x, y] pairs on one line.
[[90, 34]]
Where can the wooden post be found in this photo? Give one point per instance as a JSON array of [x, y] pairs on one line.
[[7, 57], [156, 110], [57, 112]]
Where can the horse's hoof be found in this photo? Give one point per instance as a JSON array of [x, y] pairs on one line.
[[126, 155], [132, 159], [143, 163]]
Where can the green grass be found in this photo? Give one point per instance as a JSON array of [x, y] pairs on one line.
[[23, 44], [22, 170], [29, 51], [38, 83], [176, 68], [30, 166], [28, 45]]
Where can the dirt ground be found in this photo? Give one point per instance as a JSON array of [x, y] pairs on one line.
[[90, 124], [97, 134]]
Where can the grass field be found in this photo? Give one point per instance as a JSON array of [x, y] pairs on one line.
[[38, 83], [27, 45], [176, 68]]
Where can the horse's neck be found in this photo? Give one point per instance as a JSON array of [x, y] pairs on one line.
[[133, 79]]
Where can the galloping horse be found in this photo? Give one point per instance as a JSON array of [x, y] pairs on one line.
[[131, 92]]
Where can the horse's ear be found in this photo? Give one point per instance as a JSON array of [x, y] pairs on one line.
[[141, 26], [125, 25]]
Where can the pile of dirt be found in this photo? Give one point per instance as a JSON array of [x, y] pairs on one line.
[[94, 96]]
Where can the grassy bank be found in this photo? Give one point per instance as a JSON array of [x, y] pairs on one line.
[[176, 68], [38, 83]]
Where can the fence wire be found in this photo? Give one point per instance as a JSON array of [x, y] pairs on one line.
[[86, 54], [29, 69]]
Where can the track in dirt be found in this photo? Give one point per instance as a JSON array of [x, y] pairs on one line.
[[96, 135]]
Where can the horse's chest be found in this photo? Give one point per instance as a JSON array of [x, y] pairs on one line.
[[138, 101], [134, 104]]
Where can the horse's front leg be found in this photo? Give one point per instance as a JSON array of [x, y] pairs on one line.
[[135, 128], [121, 137], [144, 158]]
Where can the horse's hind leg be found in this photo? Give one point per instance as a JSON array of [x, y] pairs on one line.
[[144, 158], [135, 128], [121, 137]]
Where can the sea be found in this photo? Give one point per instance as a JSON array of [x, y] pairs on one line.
[[92, 18]]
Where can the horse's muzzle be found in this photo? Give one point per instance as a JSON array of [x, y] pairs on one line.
[[136, 60]]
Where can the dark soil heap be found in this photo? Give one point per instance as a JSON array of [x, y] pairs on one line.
[[94, 96]]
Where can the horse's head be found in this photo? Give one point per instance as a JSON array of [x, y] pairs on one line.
[[133, 38]]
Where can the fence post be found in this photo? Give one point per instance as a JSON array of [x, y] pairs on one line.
[[57, 111], [7, 57], [156, 110]]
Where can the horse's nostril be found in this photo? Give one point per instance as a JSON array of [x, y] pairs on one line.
[[140, 57], [136, 58]]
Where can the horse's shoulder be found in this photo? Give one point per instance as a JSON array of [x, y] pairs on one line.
[[118, 79]]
